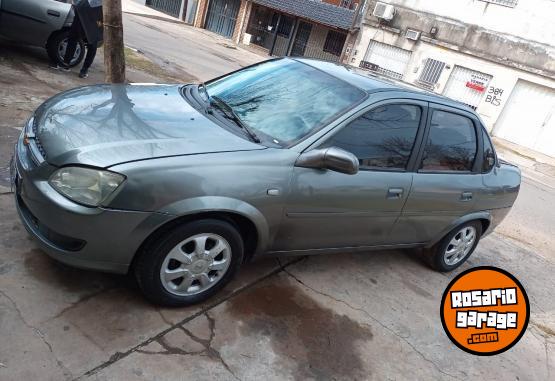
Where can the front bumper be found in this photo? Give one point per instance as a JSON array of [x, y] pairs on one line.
[[89, 238]]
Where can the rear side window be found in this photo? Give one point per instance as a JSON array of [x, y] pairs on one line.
[[381, 138], [451, 145]]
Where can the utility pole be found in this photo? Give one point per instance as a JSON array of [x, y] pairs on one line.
[[114, 58]]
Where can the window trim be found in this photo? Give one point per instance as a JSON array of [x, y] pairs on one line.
[[484, 131], [417, 141], [476, 167]]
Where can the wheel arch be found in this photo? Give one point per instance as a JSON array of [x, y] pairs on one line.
[[246, 218], [484, 217]]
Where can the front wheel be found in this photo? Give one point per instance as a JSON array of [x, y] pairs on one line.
[[56, 49], [455, 248], [189, 263]]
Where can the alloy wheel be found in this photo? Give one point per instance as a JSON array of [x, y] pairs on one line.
[[62, 46], [460, 245], [195, 264]]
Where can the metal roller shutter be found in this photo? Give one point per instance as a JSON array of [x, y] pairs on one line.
[[387, 59], [170, 7]]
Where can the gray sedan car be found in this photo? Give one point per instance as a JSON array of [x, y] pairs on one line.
[[183, 184], [43, 23]]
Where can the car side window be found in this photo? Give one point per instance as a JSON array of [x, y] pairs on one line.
[[381, 138], [451, 144], [489, 154]]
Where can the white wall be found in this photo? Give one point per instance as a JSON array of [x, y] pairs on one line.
[[530, 19], [504, 77]]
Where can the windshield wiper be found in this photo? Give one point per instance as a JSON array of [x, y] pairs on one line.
[[230, 114]]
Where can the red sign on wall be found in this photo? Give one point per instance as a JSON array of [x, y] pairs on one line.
[[476, 86]]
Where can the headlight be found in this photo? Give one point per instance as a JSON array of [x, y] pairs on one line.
[[86, 185]]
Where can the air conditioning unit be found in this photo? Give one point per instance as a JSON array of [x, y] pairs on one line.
[[384, 11], [412, 34]]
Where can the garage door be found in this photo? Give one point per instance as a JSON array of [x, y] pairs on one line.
[[170, 7], [387, 59], [527, 118], [467, 86], [222, 16]]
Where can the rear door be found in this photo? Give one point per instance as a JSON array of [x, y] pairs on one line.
[[447, 179], [32, 21]]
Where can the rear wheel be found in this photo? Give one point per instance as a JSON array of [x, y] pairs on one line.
[[455, 248], [56, 49], [189, 263]]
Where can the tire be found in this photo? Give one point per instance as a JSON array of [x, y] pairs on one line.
[[197, 264], [438, 257], [54, 49]]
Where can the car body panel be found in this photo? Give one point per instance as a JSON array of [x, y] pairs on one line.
[[33, 21], [45, 212], [239, 182], [104, 125], [180, 162], [326, 209]]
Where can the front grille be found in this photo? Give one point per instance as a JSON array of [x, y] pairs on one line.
[[40, 148]]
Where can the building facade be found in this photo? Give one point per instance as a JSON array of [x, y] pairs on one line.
[[497, 56], [304, 28]]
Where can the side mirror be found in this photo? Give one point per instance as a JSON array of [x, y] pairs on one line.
[[332, 158]]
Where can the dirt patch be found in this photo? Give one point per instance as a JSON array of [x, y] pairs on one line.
[[137, 61], [323, 344]]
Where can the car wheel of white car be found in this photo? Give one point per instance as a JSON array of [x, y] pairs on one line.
[[189, 263], [455, 248]]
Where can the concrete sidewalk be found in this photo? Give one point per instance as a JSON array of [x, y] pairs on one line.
[[534, 165]]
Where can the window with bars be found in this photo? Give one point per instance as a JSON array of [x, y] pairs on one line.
[[506, 3], [334, 42], [431, 72]]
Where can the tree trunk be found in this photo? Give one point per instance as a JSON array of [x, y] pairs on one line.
[[114, 58]]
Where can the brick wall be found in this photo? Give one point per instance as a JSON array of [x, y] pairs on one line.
[[201, 13], [242, 20]]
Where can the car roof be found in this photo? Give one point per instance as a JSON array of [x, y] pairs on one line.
[[372, 83]]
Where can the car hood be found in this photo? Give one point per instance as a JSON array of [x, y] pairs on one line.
[[104, 125]]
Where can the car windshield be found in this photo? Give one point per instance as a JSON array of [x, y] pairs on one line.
[[284, 99]]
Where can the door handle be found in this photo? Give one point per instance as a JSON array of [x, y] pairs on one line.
[[395, 193], [51, 12], [466, 196]]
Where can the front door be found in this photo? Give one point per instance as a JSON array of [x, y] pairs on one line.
[[222, 16], [447, 182], [301, 39], [326, 209]]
